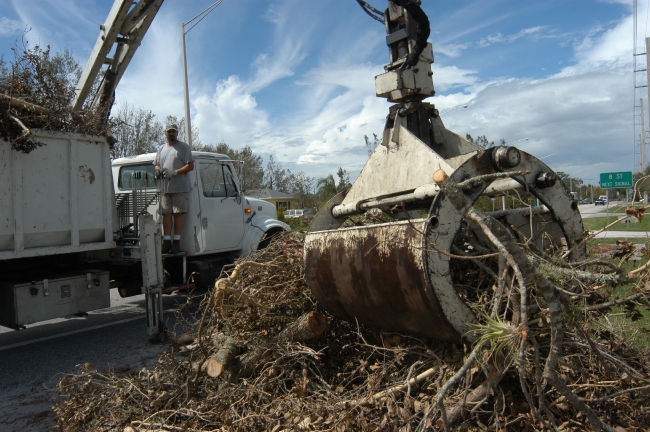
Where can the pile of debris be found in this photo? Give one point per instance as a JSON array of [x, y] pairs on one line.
[[36, 91], [263, 355]]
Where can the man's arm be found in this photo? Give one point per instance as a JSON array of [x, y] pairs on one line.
[[187, 168]]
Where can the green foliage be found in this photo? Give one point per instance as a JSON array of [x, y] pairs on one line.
[[344, 180], [280, 213], [326, 188], [47, 80], [371, 144], [632, 321], [504, 338], [253, 171], [482, 141], [486, 204], [596, 224]]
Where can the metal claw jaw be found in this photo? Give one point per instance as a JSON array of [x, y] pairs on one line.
[[397, 275]]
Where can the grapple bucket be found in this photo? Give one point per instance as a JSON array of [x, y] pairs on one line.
[[402, 276], [397, 276]]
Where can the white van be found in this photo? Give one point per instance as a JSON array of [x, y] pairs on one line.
[[298, 213]]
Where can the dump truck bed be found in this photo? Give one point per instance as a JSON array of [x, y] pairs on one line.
[[58, 198]]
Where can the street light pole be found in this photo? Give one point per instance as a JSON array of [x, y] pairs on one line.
[[188, 124], [571, 180], [203, 14]]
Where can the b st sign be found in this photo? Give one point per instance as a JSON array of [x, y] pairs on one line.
[[616, 180]]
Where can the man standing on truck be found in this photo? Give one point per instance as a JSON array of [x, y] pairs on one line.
[[173, 161]]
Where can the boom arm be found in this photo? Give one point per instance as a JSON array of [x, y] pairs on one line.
[[125, 27]]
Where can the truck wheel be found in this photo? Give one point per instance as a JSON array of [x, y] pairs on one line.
[[129, 289], [268, 236]]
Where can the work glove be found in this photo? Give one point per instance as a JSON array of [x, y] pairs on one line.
[[157, 174], [169, 173]]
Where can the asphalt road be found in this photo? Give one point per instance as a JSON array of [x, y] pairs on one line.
[[33, 360]]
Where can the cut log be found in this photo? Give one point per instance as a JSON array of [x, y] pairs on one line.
[[217, 364], [308, 326]]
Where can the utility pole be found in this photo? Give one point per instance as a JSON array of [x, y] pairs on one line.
[[647, 62], [188, 121], [642, 155]]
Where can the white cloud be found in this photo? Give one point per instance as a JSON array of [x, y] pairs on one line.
[[276, 66], [446, 77], [272, 15], [230, 115], [496, 38], [450, 50], [9, 27], [581, 114], [603, 50], [154, 78]]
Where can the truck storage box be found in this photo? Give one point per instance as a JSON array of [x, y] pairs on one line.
[[29, 302], [57, 199]]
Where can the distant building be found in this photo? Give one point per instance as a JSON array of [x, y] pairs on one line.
[[277, 198]]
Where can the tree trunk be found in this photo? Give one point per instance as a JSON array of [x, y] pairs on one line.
[[308, 326], [217, 364]]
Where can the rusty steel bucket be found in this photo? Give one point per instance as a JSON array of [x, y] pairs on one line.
[[396, 276]]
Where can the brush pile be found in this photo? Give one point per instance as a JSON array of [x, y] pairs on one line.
[[36, 91], [264, 356]]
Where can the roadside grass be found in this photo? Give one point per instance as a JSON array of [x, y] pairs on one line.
[[597, 241], [619, 208], [630, 322], [596, 224]]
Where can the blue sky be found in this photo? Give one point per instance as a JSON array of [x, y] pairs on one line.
[[295, 78]]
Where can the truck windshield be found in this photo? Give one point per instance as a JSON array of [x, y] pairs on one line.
[[136, 177]]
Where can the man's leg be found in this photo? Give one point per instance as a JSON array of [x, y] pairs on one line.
[[166, 209], [167, 224], [180, 208], [178, 224]]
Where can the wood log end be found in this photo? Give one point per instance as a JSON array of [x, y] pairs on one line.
[[317, 323], [214, 368]]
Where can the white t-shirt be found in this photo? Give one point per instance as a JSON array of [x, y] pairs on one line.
[[174, 157]]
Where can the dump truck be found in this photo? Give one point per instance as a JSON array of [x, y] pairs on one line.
[[72, 221], [73, 224]]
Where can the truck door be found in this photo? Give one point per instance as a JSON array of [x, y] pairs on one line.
[[222, 208]]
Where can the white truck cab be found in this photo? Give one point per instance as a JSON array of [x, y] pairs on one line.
[[220, 218]]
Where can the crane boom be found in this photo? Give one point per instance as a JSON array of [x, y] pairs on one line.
[[124, 28]]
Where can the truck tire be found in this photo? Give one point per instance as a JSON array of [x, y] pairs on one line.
[[268, 236]]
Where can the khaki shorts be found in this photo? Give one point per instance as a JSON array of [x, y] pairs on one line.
[[174, 202]]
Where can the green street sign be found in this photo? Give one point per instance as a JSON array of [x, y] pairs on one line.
[[616, 180]]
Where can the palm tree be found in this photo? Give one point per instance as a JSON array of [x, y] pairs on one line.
[[326, 187]]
